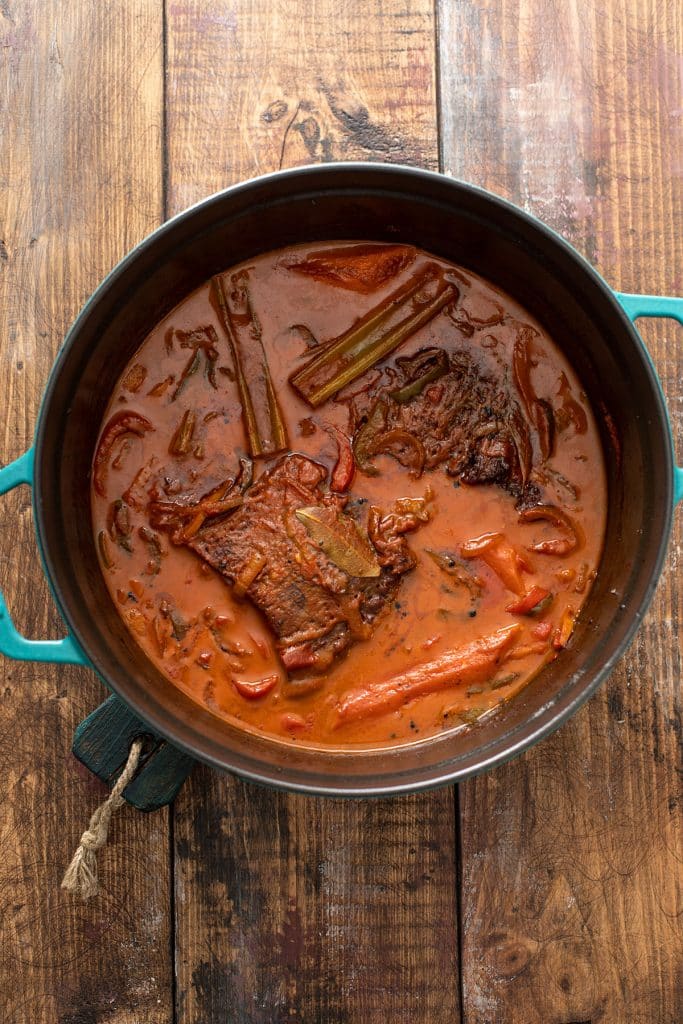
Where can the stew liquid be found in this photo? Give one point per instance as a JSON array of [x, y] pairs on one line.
[[348, 493]]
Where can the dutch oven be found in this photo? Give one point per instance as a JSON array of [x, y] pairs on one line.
[[591, 322]]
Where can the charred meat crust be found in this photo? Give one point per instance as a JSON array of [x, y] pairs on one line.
[[465, 419]]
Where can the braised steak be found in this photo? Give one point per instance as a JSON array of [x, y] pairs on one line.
[[443, 409], [315, 608]]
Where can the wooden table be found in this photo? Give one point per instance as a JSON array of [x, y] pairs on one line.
[[547, 892]]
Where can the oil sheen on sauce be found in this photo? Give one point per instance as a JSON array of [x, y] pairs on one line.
[[186, 616]]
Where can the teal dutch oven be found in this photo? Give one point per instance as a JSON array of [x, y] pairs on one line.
[[592, 323]]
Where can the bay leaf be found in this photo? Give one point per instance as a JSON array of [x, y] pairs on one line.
[[340, 539]]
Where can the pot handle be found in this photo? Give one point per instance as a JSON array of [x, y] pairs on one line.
[[12, 643], [656, 305], [102, 743]]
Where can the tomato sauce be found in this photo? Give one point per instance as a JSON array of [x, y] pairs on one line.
[[501, 568]]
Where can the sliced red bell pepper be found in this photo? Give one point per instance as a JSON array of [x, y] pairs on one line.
[[529, 601], [345, 466], [499, 555], [257, 688]]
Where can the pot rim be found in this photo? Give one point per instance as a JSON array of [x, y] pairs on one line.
[[521, 736]]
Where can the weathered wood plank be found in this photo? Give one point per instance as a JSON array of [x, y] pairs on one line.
[[253, 87], [289, 908], [80, 183], [572, 855], [297, 909]]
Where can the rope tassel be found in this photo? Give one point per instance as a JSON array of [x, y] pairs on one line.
[[81, 875]]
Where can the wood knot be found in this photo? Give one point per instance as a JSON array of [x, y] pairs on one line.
[[510, 956]]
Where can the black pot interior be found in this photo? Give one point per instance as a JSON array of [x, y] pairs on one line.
[[449, 219]]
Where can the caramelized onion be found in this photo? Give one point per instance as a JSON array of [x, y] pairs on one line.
[[572, 538], [120, 425]]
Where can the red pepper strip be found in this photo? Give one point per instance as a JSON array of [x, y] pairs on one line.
[[301, 656], [521, 369], [361, 268], [499, 555], [564, 630], [528, 602], [293, 723], [120, 424], [345, 466], [573, 534], [256, 689]]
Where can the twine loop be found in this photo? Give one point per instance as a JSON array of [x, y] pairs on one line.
[[81, 875]]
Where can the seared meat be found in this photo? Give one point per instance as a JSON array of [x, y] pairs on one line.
[[314, 608], [458, 415], [387, 532]]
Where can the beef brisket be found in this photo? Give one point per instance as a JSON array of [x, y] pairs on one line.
[[462, 417], [314, 608]]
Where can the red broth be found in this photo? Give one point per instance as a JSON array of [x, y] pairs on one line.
[[468, 590]]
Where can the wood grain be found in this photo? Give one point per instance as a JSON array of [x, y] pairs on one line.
[[80, 183], [289, 908], [572, 880], [256, 86], [294, 909]]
